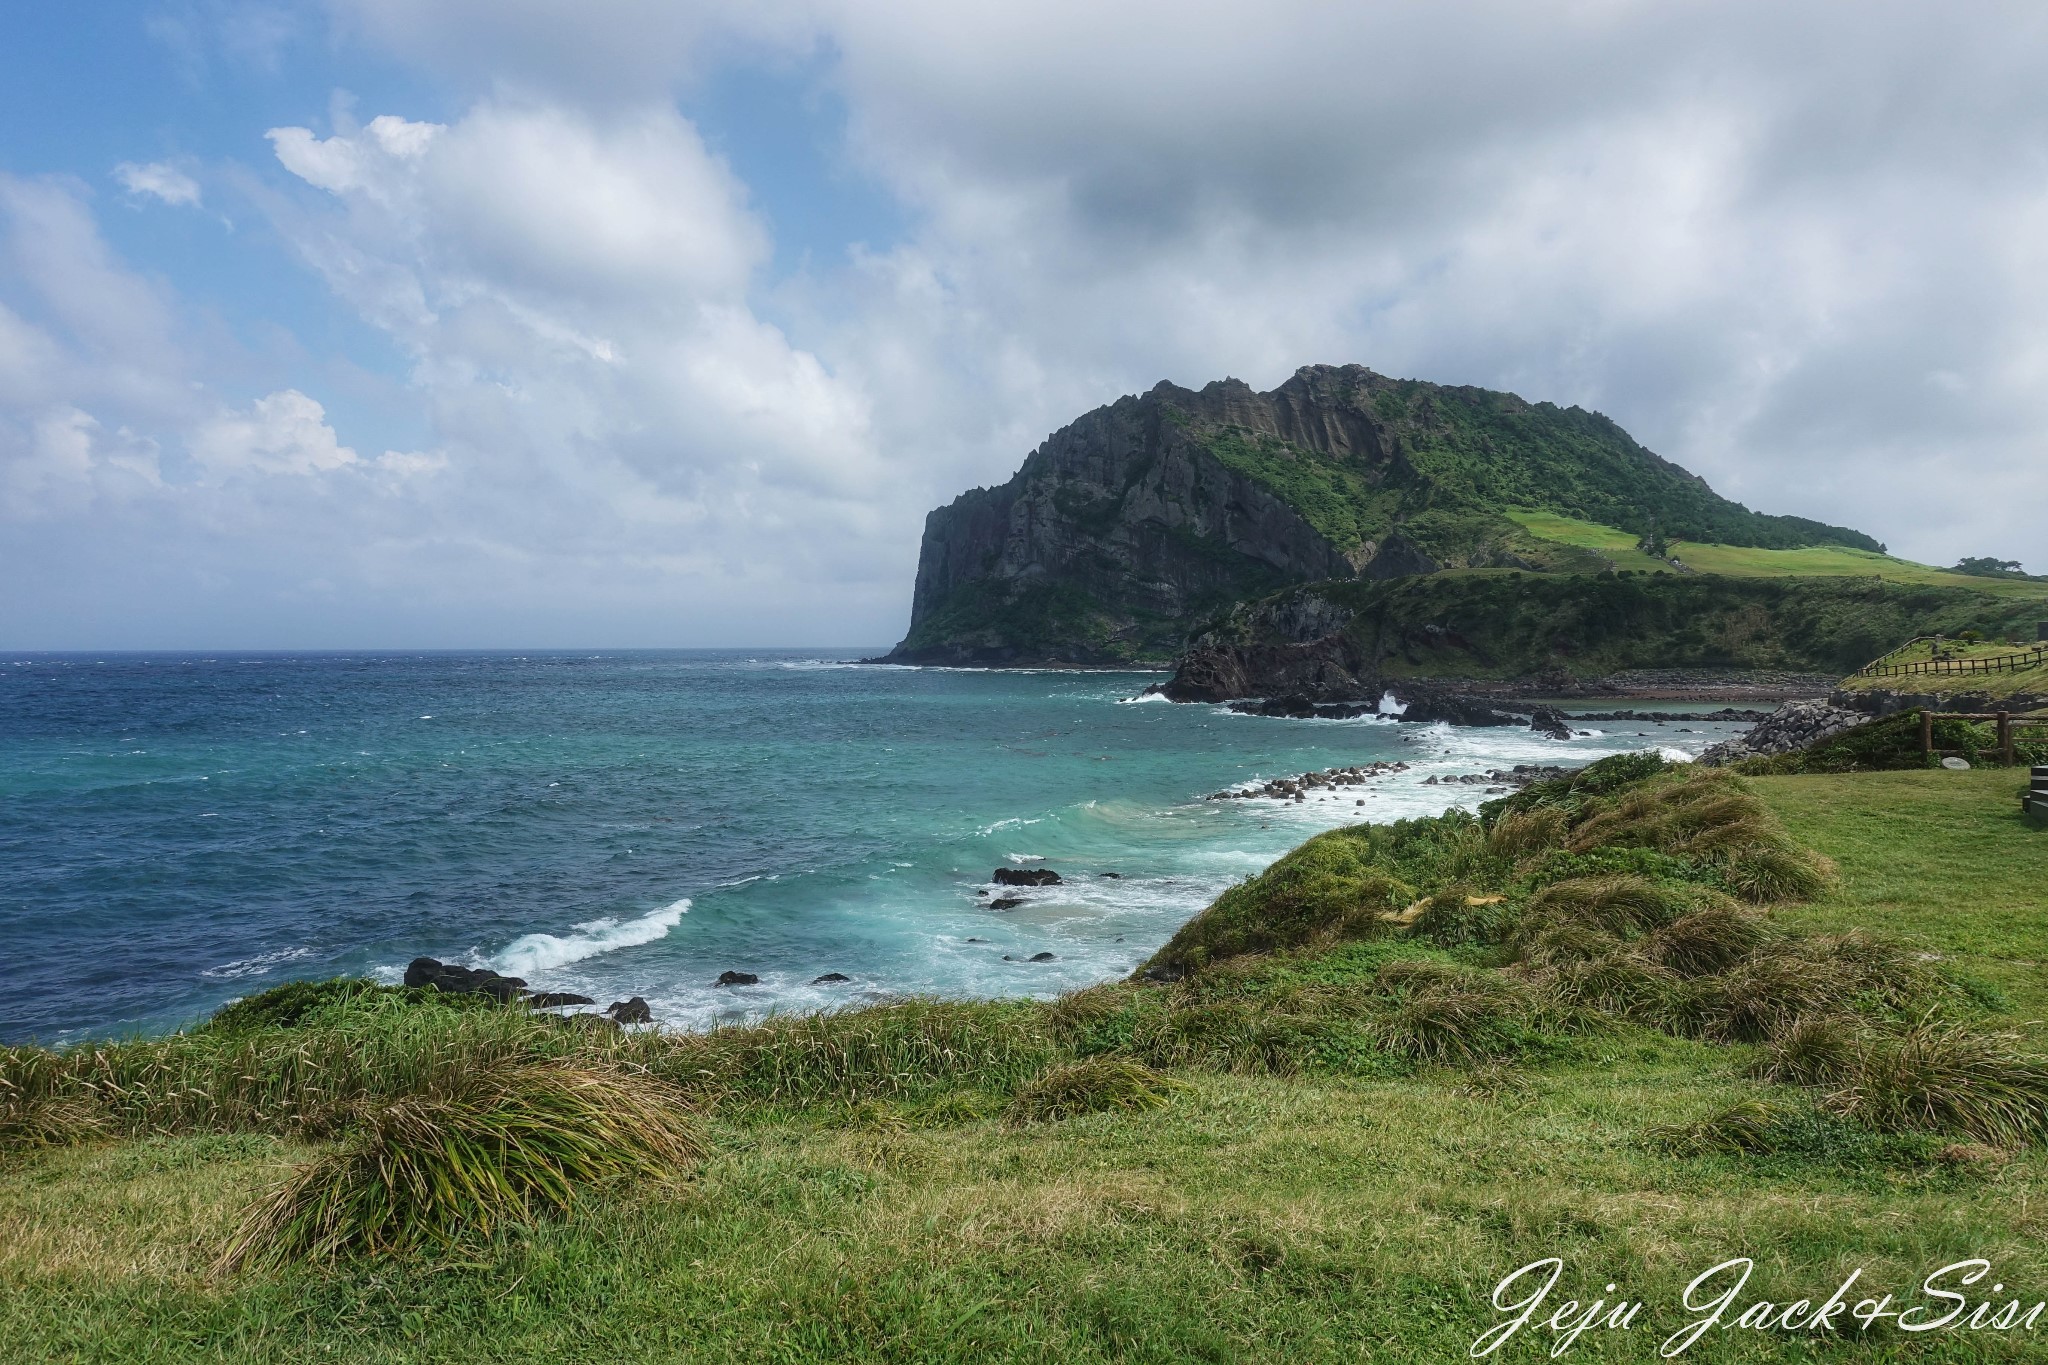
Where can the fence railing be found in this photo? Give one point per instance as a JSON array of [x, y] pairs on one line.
[[2007, 725], [1996, 663]]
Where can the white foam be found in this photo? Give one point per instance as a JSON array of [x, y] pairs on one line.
[[538, 952], [1392, 706], [256, 966], [1676, 755], [1141, 697]]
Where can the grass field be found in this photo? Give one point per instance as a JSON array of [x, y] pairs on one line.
[[1824, 561], [1257, 1216]]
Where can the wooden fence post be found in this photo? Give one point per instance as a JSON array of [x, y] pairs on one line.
[[2005, 738], [1926, 733]]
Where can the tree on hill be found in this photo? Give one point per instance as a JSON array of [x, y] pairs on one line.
[[1984, 567]]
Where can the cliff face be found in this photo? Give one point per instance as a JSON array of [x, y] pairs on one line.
[[1117, 533], [1146, 518]]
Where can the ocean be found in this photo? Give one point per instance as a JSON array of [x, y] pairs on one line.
[[180, 830]]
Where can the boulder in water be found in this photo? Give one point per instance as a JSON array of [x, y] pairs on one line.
[[830, 978], [454, 979], [737, 979], [1025, 876], [632, 1011]]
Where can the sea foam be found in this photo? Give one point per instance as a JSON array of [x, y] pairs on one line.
[[539, 952]]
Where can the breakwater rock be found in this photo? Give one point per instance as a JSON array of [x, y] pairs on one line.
[[1795, 725]]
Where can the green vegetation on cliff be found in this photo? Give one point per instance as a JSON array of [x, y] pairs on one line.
[[1504, 624], [1446, 465]]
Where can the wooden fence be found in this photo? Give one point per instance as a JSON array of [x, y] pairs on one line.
[[1996, 663], [2007, 723]]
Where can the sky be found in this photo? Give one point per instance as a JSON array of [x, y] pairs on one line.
[[524, 323]]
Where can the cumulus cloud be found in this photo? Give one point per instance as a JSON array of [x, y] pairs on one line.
[[158, 180], [284, 433]]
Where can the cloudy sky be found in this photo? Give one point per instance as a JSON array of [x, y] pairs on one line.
[[617, 322]]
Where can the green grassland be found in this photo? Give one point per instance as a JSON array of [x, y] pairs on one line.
[[1308, 1176], [1810, 561]]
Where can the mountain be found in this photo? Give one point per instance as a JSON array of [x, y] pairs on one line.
[[1142, 520]]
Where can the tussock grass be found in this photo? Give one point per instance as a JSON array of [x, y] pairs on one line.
[[504, 1146], [1817, 1051], [1711, 939], [1941, 1077], [1089, 1086]]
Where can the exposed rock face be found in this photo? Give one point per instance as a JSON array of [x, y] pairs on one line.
[[634, 1011], [1123, 528], [1795, 725], [737, 979], [1548, 720]]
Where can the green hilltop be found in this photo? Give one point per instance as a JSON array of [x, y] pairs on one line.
[[1149, 520]]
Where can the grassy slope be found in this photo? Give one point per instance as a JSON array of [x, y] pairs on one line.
[[1307, 1218], [2030, 681], [1814, 561]]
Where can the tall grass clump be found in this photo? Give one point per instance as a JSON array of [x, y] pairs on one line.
[[503, 1146], [1089, 1086], [1937, 1076]]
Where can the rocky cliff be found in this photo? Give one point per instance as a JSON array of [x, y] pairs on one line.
[[1149, 516]]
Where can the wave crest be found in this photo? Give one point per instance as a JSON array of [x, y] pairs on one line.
[[538, 952]]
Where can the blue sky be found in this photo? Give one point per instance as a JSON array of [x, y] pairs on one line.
[[446, 322]]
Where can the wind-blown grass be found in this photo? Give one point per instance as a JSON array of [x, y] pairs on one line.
[[503, 1146]]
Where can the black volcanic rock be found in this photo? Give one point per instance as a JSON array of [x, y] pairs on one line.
[[459, 980], [737, 979], [831, 979], [1025, 876], [634, 1011], [1548, 720]]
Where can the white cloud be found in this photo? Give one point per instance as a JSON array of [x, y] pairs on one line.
[[284, 433], [158, 180]]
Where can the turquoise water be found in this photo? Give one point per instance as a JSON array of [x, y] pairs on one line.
[[178, 830]]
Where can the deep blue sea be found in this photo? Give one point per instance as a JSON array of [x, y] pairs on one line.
[[178, 830]]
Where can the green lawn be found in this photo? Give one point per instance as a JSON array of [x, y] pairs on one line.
[[1256, 1217], [1938, 857]]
